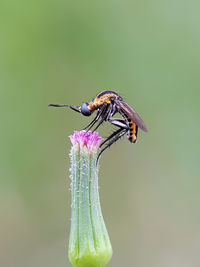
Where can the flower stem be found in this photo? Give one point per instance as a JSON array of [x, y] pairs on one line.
[[89, 244]]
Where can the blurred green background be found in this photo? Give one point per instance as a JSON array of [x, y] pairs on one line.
[[67, 52]]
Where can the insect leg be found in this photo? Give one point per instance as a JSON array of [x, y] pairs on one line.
[[101, 112], [110, 112], [113, 110], [93, 121], [119, 123], [118, 136], [105, 110], [101, 121], [111, 136], [107, 116]]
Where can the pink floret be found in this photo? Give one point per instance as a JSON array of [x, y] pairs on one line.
[[89, 139]]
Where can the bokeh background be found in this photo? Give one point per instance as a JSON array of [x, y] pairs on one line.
[[67, 52]]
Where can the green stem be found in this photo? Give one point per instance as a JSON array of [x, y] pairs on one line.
[[89, 244]]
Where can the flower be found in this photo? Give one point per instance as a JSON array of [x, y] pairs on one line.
[[89, 139]]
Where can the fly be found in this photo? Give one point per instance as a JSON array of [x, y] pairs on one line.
[[107, 104]]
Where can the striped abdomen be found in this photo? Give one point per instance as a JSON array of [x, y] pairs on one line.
[[132, 132]]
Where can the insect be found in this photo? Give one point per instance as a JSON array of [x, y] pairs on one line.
[[107, 104]]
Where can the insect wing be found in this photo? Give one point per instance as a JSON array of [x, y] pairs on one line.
[[131, 113]]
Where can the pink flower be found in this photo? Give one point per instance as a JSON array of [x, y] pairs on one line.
[[89, 139]]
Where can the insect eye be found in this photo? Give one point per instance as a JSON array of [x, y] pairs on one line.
[[85, 109]]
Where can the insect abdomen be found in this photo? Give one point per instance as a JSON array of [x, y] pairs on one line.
[[132, 133]]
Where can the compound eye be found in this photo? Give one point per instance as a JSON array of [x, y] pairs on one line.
[[85, 109]]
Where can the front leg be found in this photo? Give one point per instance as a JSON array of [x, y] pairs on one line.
[[93, 121], [102, 110]]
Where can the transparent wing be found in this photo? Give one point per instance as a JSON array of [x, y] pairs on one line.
[[131, 113]]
